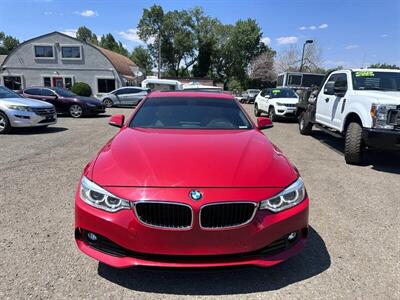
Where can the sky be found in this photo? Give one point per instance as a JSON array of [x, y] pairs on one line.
[[351, 33]]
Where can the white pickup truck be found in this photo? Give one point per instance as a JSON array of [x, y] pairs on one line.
[[361, 105]]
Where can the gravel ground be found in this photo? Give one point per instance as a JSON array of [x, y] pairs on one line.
[[353, 251]]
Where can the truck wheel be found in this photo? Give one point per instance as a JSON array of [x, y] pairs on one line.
[[5, 126], [272, 115], [305, 127], [257, 112], [353, 149]]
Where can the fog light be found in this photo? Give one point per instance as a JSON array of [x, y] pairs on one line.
[[292, 236], [92, 236]]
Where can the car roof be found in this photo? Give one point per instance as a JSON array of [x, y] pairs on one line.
[[190, 94]]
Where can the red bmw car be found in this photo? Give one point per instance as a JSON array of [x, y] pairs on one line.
[[190, 181]]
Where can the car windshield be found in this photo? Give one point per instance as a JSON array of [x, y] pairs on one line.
[[7, 93], [190, 113], [64, 92], [371, 80], [283, 93]]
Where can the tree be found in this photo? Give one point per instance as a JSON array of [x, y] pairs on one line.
[[384, 66], [108, 42], [7, 43], [85, 34], [290, 59], [142, 58], [262, 67]]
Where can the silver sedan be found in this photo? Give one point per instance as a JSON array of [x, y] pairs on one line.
[[125, 96]]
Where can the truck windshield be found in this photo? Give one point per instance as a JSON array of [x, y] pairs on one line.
[[190, 113], [7, 93], [371, 80]]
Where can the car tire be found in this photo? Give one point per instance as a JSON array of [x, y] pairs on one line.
[[305, 126], [272, 115], [5, 126], [75, 111], [257, 112], [354, 148], [108, 102]]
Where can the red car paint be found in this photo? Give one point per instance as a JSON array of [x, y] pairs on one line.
[[165, 165]]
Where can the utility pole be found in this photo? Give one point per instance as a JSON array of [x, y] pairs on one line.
[[159, 54], [302, 55]]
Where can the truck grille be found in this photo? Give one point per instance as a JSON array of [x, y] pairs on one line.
[[164, 214], [44, 111], [229, 214]]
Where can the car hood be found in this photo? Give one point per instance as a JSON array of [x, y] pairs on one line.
[[191, 158], [25, 102], [286, 100], [90, 100], [382, 97]]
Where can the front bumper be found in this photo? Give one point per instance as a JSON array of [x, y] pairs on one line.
[[382, 138], [94, 110], [30, 119], [139, 244], [285, 111]]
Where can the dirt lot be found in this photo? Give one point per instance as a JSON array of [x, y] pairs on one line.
[[353, 251]]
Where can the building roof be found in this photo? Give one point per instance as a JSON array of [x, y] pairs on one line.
[[121, 63], [2, 59]]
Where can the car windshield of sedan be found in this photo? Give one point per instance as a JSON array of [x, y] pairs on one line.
[[64, 93], [6, 93], [190, 113]]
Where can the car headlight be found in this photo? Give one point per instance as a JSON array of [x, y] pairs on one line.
[[291, 196], [98, 197], [280, 104], [20, 107], [379, 114], [91, 105]]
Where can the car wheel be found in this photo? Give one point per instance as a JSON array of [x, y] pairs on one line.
[[5, 126], [305, 126], [108, 102], [272, 115], [257, 112], [354, 148], [75, 111]]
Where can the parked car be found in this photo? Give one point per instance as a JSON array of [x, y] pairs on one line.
[[277, 103], [65, 101], [249, 95], [190, 181], [125, 96], [17, 111], [360, 105], [155, 84]]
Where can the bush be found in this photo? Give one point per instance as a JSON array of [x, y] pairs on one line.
[[82, 89]]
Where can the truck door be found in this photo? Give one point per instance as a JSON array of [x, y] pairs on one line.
[[330, 106]]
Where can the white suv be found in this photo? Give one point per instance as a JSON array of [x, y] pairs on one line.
[[276, 102]]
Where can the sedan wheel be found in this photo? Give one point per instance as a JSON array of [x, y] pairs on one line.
[[5, 126], [108, 103], [75, 111]]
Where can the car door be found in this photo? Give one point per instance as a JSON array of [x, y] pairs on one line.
[[123, 96], [33, 93], [330, 107], [51, 97], [262, 100], [135, 95]]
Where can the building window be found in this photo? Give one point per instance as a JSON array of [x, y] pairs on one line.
[[47, 81], [105, 85], [71, 52], [13, 82], [68, 82], [44, 51]]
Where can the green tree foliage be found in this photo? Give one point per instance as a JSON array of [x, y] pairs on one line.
[[108, 42], [142, 58], [384, 66], [7, 43], [85, 34], [82, 89]]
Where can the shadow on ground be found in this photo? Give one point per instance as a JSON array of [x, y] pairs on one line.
[[383, 161], [313, 260], [37, 130]]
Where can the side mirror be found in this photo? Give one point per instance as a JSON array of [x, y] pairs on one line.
[[117, 120], [329, 88], [264, 123]]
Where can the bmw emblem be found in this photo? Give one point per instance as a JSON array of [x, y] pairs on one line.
[[196, 195]]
